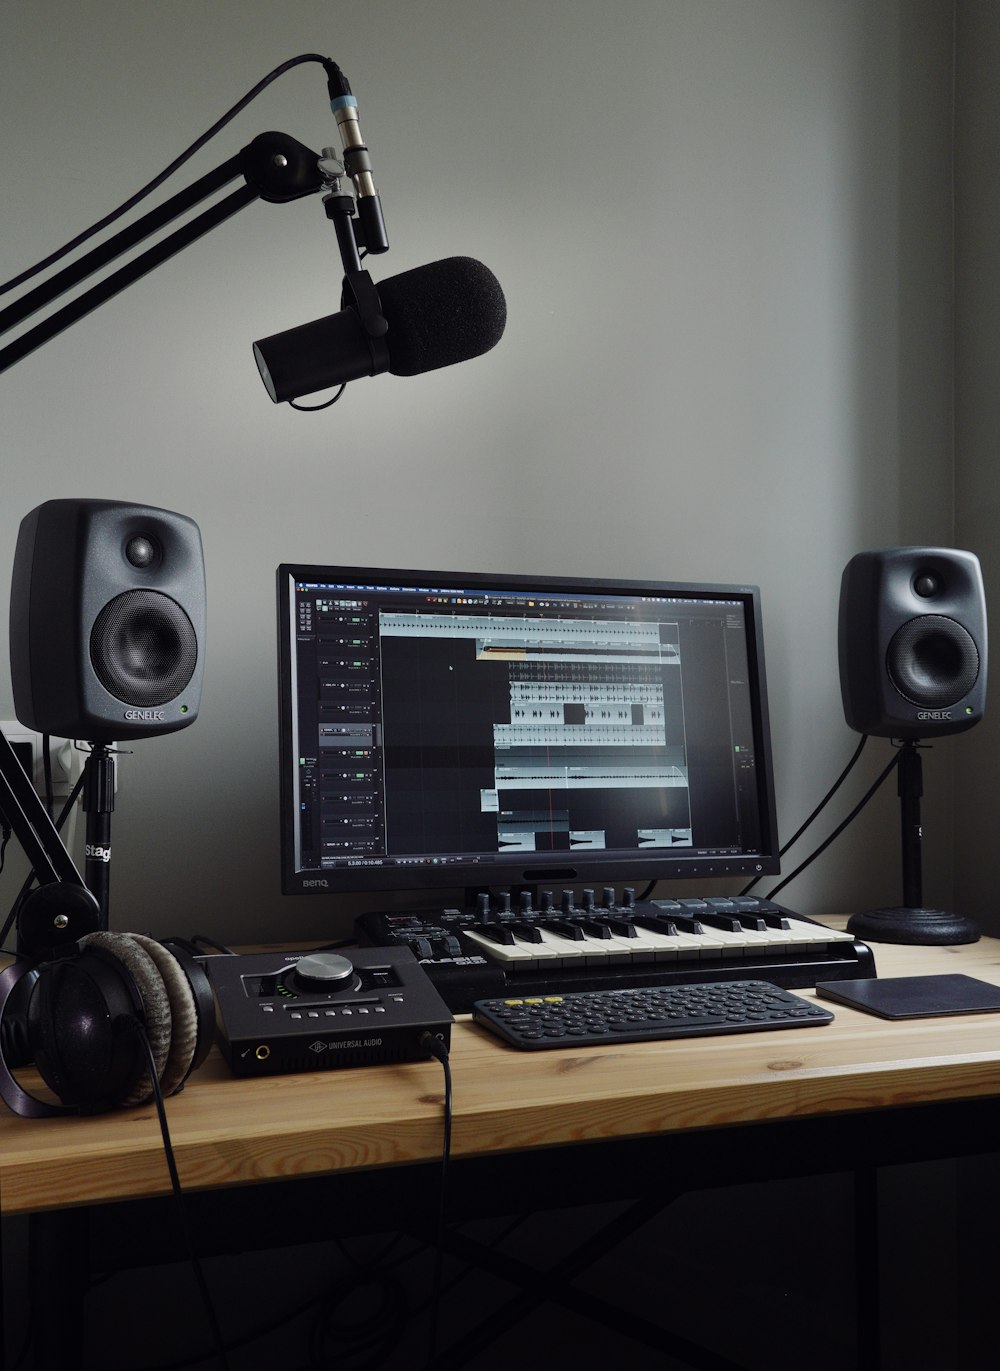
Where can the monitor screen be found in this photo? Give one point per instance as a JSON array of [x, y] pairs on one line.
[[444, 729]]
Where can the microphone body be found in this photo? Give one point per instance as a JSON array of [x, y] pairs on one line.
[[325, 352], [434, 315]]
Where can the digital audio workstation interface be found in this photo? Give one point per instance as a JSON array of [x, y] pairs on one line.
[[436, 730]]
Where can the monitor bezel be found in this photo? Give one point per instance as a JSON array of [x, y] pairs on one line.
[[515, 872]]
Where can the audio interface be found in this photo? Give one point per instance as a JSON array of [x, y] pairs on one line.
[[286, 1011]]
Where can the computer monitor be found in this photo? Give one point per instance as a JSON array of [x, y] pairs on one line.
[[490, 732]]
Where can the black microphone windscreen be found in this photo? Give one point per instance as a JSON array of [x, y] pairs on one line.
[[441, 313]]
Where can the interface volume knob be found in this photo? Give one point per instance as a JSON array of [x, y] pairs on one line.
[[326, 971]]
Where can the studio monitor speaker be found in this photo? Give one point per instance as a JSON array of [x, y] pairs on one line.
[[912, 642], [107, 620]]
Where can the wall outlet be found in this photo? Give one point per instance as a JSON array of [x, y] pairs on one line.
[[67, 758]]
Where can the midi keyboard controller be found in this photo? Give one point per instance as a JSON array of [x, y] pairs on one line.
[[508, 946]]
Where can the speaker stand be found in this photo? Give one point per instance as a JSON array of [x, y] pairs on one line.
[[98, 804], [910, 922]]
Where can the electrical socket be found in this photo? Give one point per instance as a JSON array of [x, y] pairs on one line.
[[67, 759]]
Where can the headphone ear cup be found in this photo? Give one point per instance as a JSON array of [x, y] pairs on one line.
[[202, 996], [82, 1019], [184, 1035], [135, 962]]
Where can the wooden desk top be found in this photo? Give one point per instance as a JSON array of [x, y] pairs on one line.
[[229, 1131]]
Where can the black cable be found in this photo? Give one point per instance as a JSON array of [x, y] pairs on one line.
[[840, 827], [168, 171], [175, 1185], [311, 409], [818, 810], [370, 1338], [436, 1048], [236, 1343], [47, 772], [195, 945]]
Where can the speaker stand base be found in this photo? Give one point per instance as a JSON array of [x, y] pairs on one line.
[[920, 927]]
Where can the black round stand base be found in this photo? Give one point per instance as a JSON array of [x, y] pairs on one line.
[[921, 927]]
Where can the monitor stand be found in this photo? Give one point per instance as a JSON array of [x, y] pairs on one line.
[[911, 922]]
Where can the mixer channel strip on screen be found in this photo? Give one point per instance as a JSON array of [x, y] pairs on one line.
[[498, 947]]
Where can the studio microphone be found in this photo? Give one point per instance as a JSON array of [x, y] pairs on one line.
[[430, 317]]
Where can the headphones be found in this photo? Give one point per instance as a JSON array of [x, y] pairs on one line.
[[82, 1017]]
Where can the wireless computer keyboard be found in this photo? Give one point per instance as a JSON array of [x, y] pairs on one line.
[[593, 1017]]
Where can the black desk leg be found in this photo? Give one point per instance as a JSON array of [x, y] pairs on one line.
[[57, 1281], [866, 1268]]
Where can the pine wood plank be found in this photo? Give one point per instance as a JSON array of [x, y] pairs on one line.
[[229, 1131]]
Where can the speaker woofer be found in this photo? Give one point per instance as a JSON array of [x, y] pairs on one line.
[[932, 661], [143, 648]]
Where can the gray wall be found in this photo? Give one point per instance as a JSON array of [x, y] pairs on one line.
[[724, 228], [977, 418]]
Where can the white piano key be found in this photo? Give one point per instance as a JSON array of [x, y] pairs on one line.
[[517, 954], [802, 932]]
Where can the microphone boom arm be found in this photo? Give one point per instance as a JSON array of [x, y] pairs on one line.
[[275, 168], [33, 829]]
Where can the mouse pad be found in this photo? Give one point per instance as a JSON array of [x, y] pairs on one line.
[[914, 997]]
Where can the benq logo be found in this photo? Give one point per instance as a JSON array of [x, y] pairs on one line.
[[318, 884], [933, 713], [144, 716]]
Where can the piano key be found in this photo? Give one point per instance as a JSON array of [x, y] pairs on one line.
[[586, 940], [565, 928], [527, 932], [713, 919], [497, 933], [622, 928], [595, 928], [555, 944], [517, 953]]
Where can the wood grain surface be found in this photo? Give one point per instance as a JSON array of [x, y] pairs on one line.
[[229, 1131]]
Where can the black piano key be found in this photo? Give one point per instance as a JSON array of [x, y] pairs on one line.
[[687, 923], [727, 922], [566, 930], [497, 933], [527, 932], [622, 928], [595, 928], [662, 924]]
